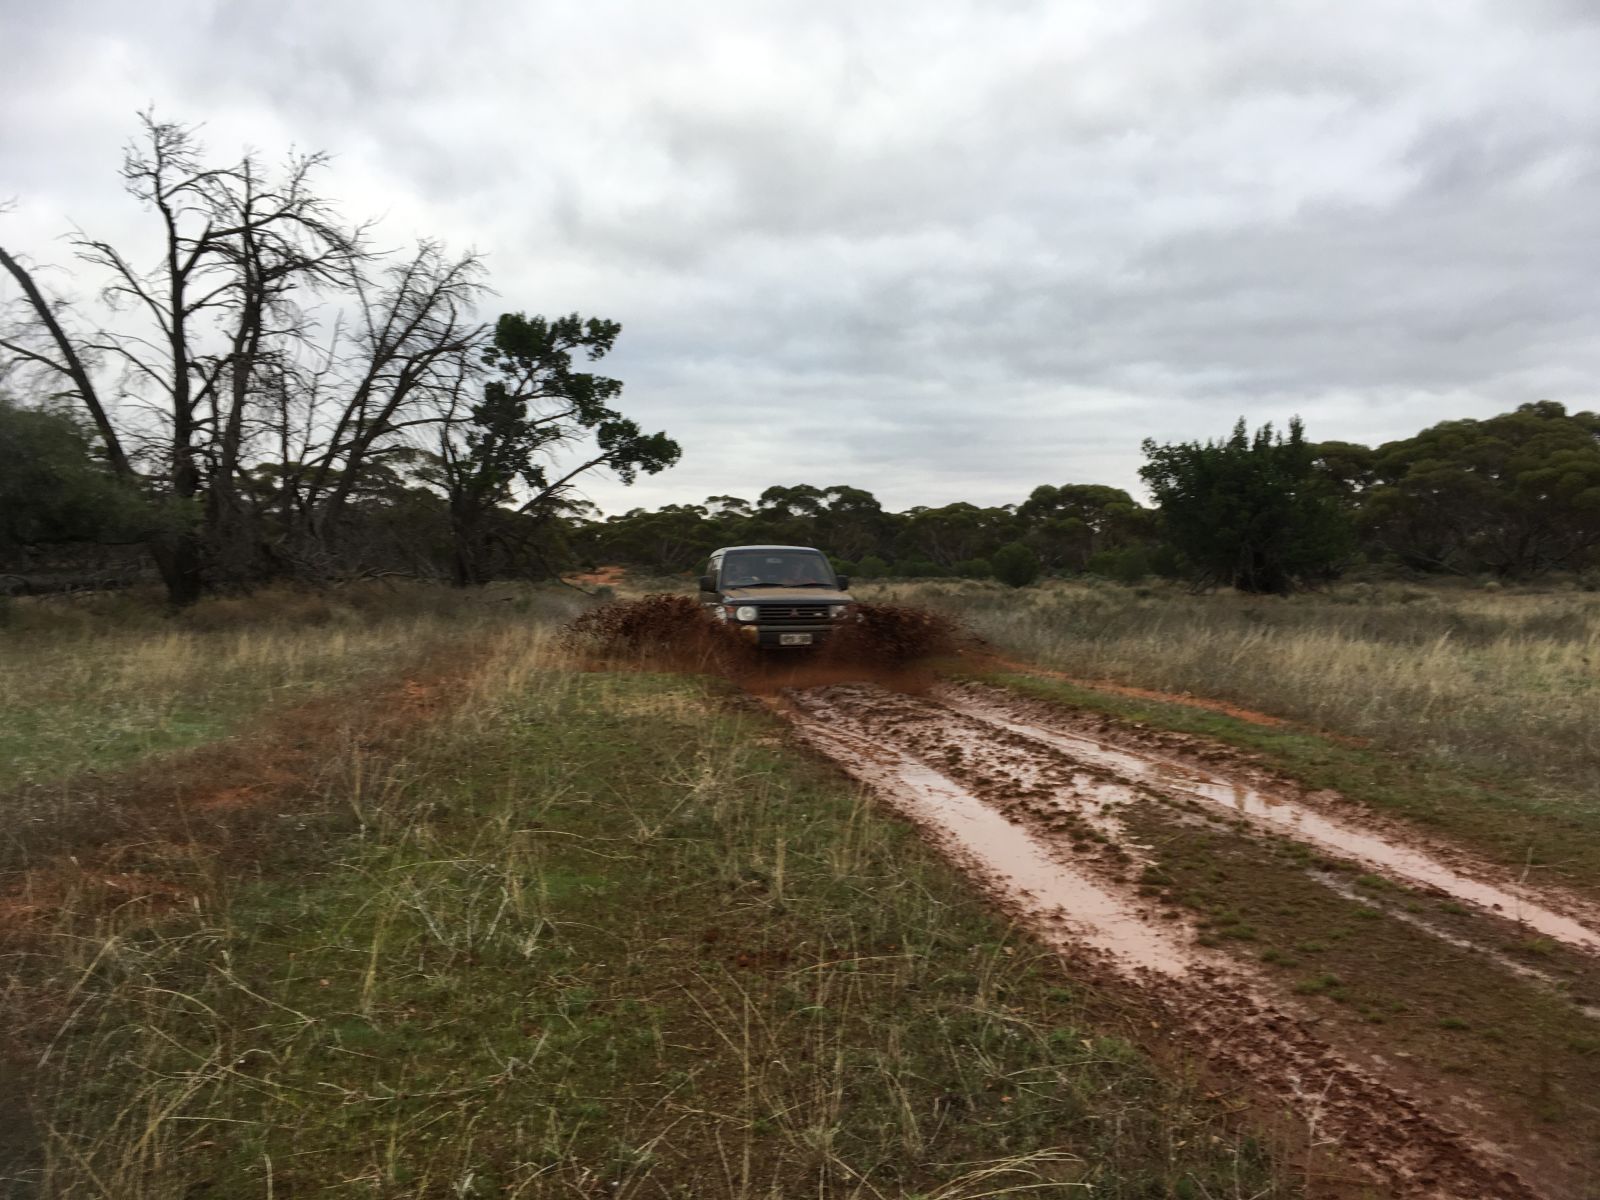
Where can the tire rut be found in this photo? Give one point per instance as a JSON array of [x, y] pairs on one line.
[[1030, 810]]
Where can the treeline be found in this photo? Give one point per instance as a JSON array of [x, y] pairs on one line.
[[1515, 496], [272, 396]]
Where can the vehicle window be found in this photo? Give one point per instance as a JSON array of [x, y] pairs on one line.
[[777, 569]]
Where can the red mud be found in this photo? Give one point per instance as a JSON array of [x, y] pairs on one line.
[[1030, 810], [1286, 815], [143, 832]]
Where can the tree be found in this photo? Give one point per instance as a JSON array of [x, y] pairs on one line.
[[1069, 525], [270, 442], [535, 408], [1016, 565], [1517, 494], [955, 533], [415, 336], [55, 489], [852, 523], [198, 334], [1253, 512]]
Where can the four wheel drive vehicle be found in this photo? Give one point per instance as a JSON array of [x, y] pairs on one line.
[[778, 597]]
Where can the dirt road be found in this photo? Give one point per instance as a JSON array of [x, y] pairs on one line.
[[1165, 865]]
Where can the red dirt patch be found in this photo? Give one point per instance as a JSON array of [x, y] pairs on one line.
[[164, 817], [227, 798]]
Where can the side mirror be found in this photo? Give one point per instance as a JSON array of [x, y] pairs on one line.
[[708, 583], [844, 583]]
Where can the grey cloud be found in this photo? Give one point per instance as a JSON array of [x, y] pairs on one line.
[[942, 250]]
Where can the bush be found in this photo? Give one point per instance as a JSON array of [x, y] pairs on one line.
[[1129, 565], [975, 568], [1016, 565], [872, 567]]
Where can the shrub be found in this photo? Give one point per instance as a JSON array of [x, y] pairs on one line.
[[975, 568], [1016, 565], [1129, 565]]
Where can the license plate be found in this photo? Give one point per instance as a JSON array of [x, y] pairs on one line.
[[794, 639]]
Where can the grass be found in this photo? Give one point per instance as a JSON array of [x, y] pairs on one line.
[[89, 686], [582, 933], [1364, 966]]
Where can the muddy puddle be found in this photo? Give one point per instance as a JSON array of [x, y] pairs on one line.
[[1068, 904], [1031, 811], [1288, 817]]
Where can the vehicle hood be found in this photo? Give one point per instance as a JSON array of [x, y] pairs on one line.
[[794, 595]]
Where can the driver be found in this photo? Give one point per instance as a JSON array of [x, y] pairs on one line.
[[797, 571]]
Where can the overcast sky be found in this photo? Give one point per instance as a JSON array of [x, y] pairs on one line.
[[939, 250]]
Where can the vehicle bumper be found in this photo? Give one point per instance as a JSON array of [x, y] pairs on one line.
[[770, 637]]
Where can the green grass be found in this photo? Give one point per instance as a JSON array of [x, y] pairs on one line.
[[94, 689], [596, 935], [1358, 966]]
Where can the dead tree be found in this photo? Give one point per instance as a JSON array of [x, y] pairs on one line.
[[192, 335], [412, 332]]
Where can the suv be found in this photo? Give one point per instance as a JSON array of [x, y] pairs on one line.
[[778, 597]]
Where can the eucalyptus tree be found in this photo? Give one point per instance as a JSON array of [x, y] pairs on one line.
[[1254, 511], [537, 425], [1516, 494]]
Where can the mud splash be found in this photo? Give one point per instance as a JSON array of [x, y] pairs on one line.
[[886, 643], [670, 630]]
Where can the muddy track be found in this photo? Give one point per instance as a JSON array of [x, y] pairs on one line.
[[1035, 805]]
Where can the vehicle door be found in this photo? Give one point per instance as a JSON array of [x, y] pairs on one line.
[[711, 596]]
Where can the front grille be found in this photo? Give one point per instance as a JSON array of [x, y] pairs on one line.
[[792, 614]]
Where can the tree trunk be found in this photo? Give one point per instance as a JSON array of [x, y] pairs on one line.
[[178, 559]]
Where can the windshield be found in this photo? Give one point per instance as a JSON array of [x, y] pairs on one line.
[[778, 568]]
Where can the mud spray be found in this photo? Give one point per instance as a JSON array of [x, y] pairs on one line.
[[894, 646]]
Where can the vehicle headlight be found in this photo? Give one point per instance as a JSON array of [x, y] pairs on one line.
[[745, 612], [839, 611]]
